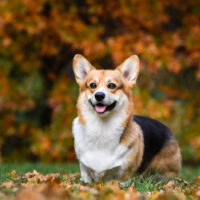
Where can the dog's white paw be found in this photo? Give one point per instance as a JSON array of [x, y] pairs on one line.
[[86, 179], [125, 184]]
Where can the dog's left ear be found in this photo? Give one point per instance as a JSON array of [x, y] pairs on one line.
[[130, 69], [81, 67]]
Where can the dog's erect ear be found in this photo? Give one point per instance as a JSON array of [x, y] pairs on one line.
[[81, 67], [130, 69]]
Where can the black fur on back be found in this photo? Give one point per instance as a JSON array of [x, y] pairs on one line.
[[155, 135]]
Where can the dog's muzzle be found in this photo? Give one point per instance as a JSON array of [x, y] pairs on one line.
[[102, 108]]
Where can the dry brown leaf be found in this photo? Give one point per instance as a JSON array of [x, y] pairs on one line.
[[13, 174], [170, 185]]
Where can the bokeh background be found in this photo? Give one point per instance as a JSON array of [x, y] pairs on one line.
[[38, 94]]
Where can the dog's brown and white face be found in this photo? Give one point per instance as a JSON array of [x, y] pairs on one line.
[[104, 91]]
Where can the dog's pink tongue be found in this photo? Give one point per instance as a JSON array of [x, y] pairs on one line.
[[100, 109]]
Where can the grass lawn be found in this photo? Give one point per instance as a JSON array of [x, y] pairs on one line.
[[22, 168], [15, 178]]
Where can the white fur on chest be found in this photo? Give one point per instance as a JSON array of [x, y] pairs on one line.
[[97, 143]]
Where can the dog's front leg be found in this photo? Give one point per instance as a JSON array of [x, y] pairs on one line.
[[85, 174]]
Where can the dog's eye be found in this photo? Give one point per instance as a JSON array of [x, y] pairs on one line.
[[112, 86], [93, 85]]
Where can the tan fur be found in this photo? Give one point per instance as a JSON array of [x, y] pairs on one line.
[[132, 138], [168, 161], [81, 118]]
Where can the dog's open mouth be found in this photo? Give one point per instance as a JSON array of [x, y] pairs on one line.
[[101, 108]]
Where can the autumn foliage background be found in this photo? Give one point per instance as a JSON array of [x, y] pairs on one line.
[[38, 40]]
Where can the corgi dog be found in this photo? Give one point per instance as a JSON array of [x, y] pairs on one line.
[[110, 141]]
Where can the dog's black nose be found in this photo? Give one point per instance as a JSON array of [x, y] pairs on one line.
[[99, 96]]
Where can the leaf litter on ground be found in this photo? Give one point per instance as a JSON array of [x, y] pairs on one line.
[[37, 186]]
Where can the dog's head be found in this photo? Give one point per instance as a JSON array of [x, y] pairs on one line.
[[105, 91]]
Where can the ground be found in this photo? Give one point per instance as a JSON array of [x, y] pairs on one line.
[[21, 181]]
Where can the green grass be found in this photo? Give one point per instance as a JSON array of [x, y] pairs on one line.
[[143, 184], [21, 168], [189, 173]]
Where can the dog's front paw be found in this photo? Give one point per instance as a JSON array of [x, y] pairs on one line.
[[86, 179], [125, 183]]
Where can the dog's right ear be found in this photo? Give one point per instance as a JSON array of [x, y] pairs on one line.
[[81, 67]]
